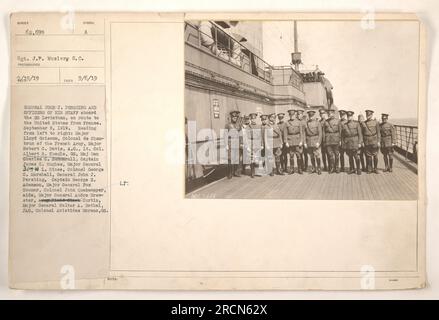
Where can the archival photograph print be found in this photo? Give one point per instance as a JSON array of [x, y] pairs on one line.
[[301, 109]]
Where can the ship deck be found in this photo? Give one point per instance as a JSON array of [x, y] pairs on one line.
[[401, 184]]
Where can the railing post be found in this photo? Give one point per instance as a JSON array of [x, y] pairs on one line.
[[408, 143]]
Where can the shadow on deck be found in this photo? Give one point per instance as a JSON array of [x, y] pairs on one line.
[[401, 184]]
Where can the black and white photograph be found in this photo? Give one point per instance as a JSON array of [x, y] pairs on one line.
[[301, 109]]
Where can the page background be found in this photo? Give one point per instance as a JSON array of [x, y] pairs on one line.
[[426, 10]]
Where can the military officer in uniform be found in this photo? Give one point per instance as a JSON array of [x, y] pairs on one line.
[[332, 141], [233, 141], [255, 141], [372, 139], [253, 116], [283, 158], [362, 153], [294, 139], [246, 142], [313, 139], [388, 141], [343, 120], [352, 139], [303, 119], [323, 117], [267, 144], [277, 136]]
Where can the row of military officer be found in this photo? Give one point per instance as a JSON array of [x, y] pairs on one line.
[[322, 140]]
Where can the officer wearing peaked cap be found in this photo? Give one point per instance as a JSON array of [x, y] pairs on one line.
[[388, 141], [343, 121], [313, 139], [233, 141], [332, 140], [323, 117], [255, 142], [267, 144], [246, 141], [352, 138], [294, 139], [362, 152], [372, 140], [253, 116], [275, 135], [303, 118], [283, 158]]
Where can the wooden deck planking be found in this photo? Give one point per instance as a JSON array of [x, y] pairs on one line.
[[399, 185]]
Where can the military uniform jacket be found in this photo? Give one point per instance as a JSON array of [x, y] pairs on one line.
[[233, 135], [313, 133], [272, 131], [351, 135], [293, 132], [303, 121], [371, 132], [282, 126], [342, 123], [322, 124], [331, 132], [388, 135]]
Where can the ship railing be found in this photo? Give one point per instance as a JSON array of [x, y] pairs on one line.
[[211, 38], [407, 141], [286, 75]]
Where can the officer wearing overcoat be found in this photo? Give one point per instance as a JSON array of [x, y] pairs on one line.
[[234, 144], [313, 139], [388, 141], [352, 138]]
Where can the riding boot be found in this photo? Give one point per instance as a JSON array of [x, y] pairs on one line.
[[351, 165], [341, 162], [357, 163], [299, 165], [283, 168], [278, 168], [319, 170], [285, 164], [390, 164], [252, 170], [305, 162], [325, 162], [313, 165], [331, 165], [375, 164], [363, 165], [291, 165], [229, 171], [369, 164], [386, 163]]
